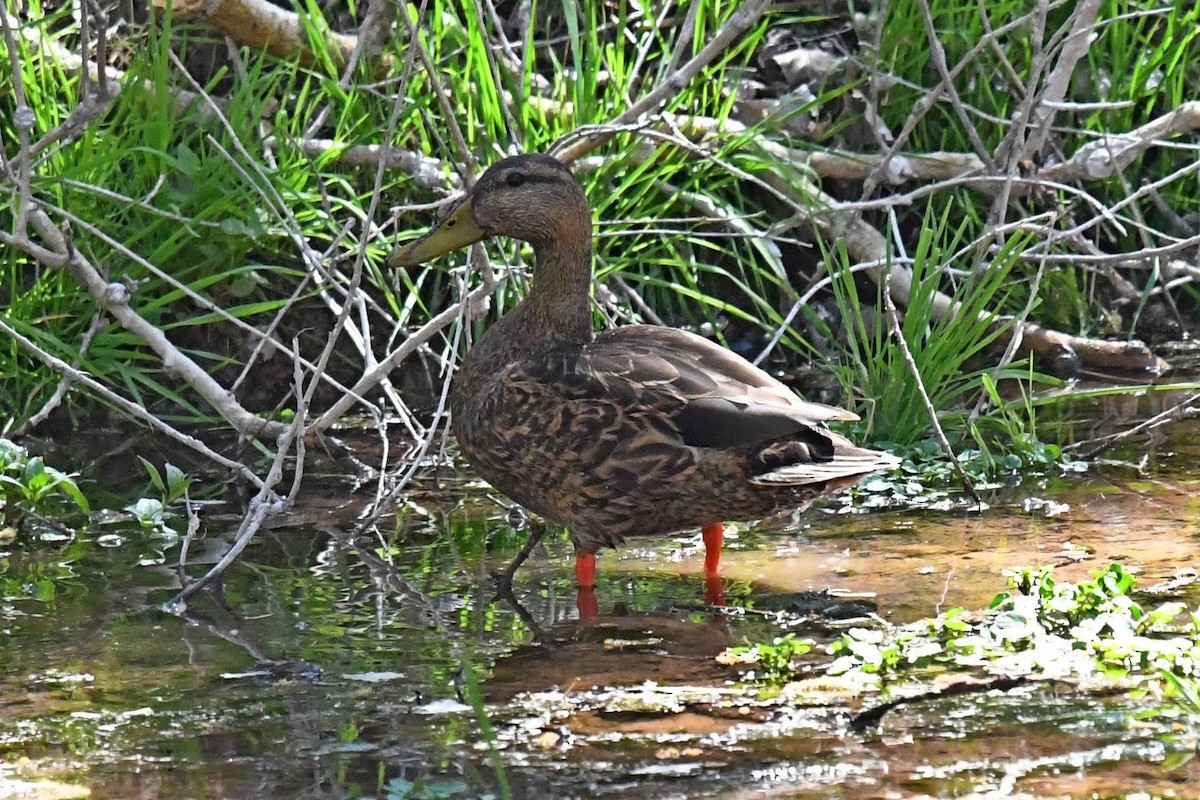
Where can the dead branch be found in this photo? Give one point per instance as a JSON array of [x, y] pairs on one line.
[[1093, 162], [64, 384], [874, 715], [868, 245], [94, 105], [1049, 100], [841, 221], [1113, 153], [261, 26], [893, 318], [427, 172], [266, 503], [322, 277], [1091, 448], [261, 506], [473, 303]]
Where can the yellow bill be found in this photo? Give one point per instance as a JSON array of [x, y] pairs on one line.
[[457, 230]]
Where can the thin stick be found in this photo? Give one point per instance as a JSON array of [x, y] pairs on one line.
[[97, 324], [898, 332], [265, 503], [23, 120], [114, 299], [740, 21]]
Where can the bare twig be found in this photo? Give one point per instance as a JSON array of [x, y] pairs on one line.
[[740, 21], [410, 345], [939, 61], [94, 105], [893, 317], [97, 324], [799, 303], [931, 99], [373, 33], [872, 716], [427, 172], [358, 336], [114, 299], [1074, 49], [1109, 154], [23, 120], [445, 102], [264, 504]]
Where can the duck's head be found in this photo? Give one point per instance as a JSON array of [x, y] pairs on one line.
[[530, 197]]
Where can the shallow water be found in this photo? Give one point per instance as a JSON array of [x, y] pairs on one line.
[[336, 668]]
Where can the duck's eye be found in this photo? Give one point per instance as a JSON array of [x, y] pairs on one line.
[[514, 178]]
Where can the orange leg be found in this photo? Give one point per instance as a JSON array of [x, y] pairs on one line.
[[585, 580], [585, 602], [714, 536], [585, 570], [714, 591]]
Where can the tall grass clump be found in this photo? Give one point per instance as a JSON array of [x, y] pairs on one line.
[[954, 355]]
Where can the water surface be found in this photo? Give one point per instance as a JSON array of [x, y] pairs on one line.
[[334, 667]]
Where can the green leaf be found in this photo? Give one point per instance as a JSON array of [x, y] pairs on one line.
[[35, 472], [149, 512], [155, 479], [67, 485], [177, 482]]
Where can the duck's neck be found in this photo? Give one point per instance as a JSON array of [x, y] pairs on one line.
[[557, 310], [558, 304]]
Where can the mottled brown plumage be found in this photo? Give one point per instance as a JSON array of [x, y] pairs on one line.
[[634, 431]]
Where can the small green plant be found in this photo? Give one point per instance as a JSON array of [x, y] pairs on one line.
[[1101, 618], [1093, 632], [152, 513], [172, 484], [774, 663], [1184, 691], [30, 487], [926, 478]]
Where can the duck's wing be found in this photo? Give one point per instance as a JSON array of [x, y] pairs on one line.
[[714, 397], [669, 398]]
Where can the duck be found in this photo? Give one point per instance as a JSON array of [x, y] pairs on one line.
[[634, 431]]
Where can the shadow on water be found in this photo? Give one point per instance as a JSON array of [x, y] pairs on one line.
[[322, 670]]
